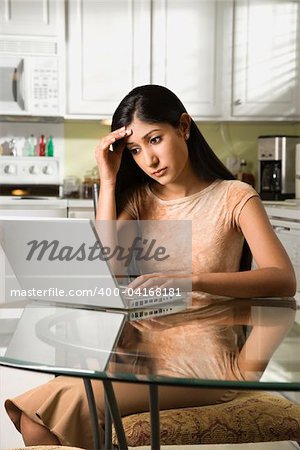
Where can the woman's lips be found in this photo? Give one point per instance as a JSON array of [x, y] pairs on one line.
[[160, 172]]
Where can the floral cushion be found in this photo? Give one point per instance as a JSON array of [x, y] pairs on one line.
[[250, 417], [47, 447]]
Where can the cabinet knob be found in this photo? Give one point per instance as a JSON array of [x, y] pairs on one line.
[[237, 102]]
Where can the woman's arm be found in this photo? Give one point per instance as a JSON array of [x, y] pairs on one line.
[[108, 163], [269, 327], [108, 224], [274, 275]]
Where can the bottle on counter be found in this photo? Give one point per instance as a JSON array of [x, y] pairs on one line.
[[91, 178], [50, 147], [87, 185], [12, 148], [244, 174], [42, 146], [71, 187], [29, 146]]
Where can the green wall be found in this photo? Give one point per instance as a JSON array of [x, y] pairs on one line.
[[226, 138]]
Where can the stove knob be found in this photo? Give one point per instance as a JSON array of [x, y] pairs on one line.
[[34, 170], [10, 169], [48, 170]]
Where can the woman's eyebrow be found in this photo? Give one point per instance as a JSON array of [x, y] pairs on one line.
[[146, 136]]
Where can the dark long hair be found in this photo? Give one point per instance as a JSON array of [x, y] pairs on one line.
[[157, 104]]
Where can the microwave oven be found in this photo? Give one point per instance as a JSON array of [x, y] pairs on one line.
[[30, 85]]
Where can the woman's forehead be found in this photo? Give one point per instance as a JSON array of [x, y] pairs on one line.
[[138, 125], [141, 129]]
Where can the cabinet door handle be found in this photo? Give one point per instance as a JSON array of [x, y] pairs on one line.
[[280, 228], [237, 102]]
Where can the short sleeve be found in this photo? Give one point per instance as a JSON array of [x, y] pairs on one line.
[[238, 195]]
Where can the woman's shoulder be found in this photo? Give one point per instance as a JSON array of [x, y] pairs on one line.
[[236, 188], [236, 195]]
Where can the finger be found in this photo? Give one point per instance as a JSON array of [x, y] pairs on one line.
[[104, 145], [120, 142], [112, 137], [136, 282], [150, 284], [139, 281], [122, 130], [120, 133], [143, 278]]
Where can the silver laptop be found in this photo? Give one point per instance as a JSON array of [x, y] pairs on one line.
[[56, 260]]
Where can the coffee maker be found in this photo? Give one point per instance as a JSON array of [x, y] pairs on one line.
[[276, 166]]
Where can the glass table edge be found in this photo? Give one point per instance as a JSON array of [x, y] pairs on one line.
[[151, 379]]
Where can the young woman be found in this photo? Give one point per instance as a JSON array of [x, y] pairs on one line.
[[156, 165], [173, 174]]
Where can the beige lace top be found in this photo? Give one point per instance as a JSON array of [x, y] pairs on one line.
[[214, 213]]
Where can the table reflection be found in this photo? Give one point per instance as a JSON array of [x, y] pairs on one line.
[[220, 339], [215, 338]]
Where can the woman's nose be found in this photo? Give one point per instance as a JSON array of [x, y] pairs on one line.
[[150, 158]]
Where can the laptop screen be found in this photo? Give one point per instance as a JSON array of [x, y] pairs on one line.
[[65, 260], [56, 260]]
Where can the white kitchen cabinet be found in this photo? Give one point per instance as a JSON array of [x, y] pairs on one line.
[[81, 209], [114, 45], [285, 220], [14, 207], [266, 78], [288, 232], [81, 213], [108, 43], [32, 17], [191, 51]]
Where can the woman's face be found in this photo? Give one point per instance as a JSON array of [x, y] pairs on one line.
[[160, 150]]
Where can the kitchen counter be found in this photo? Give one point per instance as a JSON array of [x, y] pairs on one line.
[[38, 201], [80, 203], [46, 201], [287, 209], [47, 207]]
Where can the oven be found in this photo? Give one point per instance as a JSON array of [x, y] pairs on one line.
[[29, 176], [31, 186]]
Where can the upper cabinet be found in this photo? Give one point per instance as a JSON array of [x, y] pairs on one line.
[[114, 45], [266, 62], [32, 58], [190, 44], [32, 17], [225, 59], [108, 45]]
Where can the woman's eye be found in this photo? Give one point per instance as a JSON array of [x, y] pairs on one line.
[[155, 140], [133, 151]]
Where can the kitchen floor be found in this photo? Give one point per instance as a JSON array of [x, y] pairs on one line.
[[263, 446]]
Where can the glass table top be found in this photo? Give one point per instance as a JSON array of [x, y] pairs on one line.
[[213, 341]]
